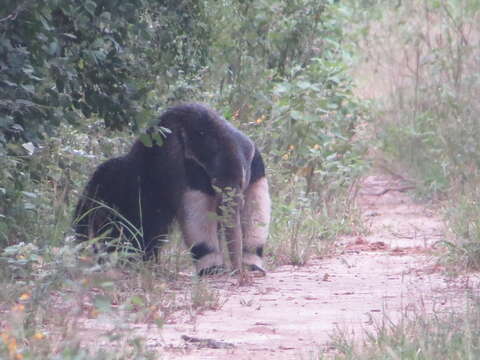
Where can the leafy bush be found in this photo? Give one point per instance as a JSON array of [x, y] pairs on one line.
[[38, 189], [284, 82], [74, 73]]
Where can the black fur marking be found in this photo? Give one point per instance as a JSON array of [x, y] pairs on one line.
[[200, 250], [257, 167], [259, 251], [197, 178], [257, 268], [212, 270]]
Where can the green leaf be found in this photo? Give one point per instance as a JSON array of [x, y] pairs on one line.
[[106, 16], [90, 7], [29, 206], [296, 115], [53, 48], [281, 89], [29, 88], [103, 303], [9, 83], [24, 102], [137, 300], [17, 128], [5, 121], [45, 23], [29, 147], [158, 138], [146, 139], [71, 36], [165, 130], [304, 85], [30, 194]]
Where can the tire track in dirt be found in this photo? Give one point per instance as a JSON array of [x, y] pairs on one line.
[[292, 312]]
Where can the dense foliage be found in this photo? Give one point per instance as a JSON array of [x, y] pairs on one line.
[[74, 73], [79, 79], [62, 61]]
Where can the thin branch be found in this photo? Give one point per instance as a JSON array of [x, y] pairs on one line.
[[13, 15], [9, 17]]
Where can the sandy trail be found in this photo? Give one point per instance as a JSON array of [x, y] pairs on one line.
[[292, 312]]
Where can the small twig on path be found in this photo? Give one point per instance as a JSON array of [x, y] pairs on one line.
[[207, 343], [403, 236], [396, 175], [384, 191], [13, 15]]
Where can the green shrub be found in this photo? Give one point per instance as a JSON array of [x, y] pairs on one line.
[[277, 69]]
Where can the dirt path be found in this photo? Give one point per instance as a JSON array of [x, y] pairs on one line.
[[292, 312]]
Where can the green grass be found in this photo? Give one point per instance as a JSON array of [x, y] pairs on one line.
[[423, 57], [427, 117], [450, 334]]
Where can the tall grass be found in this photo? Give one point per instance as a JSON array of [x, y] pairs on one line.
[[451, 334], [425, 55], [420, 65], [303, 119]]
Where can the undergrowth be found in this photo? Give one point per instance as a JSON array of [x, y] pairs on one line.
[[425, 55], [449, 334], [288, 89], [58, 301]]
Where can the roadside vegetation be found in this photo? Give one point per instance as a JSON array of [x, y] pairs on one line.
[[80, 80], [424, 55], [417, 335]]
